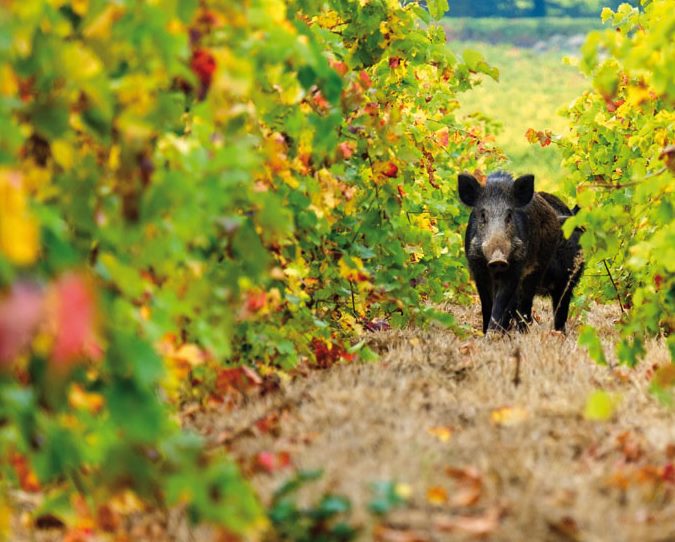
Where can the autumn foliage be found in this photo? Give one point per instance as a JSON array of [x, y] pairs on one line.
[[187, 188]]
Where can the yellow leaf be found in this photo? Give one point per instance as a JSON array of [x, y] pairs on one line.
[[403, 491], [441, 433], [80, 63], [509, 416], [101, 26], [191, 354], [80, 7], [19, 237], [62, 153], [79, 398], [352, 270], [8, 82], [5, 517]]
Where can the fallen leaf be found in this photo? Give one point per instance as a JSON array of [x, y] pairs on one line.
[[565, 526], [272, 461], [468, 348], [600, 406], [509, 416], [389, 534], [437, 495], [476, 525], [629, 446], [442, 433], [469, 486]]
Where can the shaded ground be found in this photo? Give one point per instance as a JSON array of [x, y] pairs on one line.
[[535, 470], [477, 452]]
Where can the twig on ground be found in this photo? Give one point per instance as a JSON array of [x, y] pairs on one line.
[[516, 376]]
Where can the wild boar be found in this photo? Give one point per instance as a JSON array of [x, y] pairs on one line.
[[515, 249]]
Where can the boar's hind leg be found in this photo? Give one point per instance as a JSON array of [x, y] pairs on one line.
[[561, 297], [526, 297]]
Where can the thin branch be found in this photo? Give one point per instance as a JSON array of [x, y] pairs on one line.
[[618, 296]]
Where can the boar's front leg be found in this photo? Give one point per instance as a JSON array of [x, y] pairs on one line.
[[504, 303], [484, 287]]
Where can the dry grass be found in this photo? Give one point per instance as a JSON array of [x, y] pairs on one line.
[[552, 476]]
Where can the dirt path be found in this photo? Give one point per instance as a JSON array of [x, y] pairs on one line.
[[477, 452], [484, 437]]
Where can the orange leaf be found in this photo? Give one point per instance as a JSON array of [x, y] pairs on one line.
[[442, 433], [27, 478], [443, 136], [437, 495]]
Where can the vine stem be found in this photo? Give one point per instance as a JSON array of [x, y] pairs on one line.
[[618, 296]]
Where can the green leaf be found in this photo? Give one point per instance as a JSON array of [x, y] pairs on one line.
[[588, 338], [437, 8], [600, 406]]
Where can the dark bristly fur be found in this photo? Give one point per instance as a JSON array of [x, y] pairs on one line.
[[516, 249]]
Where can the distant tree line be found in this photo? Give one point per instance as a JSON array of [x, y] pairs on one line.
[[531, 8]]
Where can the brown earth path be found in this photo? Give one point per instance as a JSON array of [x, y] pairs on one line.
[[478, 451]]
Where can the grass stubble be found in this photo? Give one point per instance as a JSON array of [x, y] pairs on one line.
[[545, 472], [513, 409]]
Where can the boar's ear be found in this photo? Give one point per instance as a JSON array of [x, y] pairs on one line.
[[523, 190], [469, 189]]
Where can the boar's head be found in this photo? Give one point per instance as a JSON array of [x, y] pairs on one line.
[[498, 224]]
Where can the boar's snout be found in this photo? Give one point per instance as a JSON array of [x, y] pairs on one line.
[[498, 261]]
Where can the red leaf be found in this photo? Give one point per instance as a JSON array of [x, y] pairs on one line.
[[21, 311], [328, 353], [394, 62], [366, 81], [272, 462], [339, 67], [75, 319], [255, 301], [236, 379], [203, 65], [390, 170]]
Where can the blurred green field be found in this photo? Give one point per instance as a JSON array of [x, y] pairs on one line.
[[523, 32], [533, 88]]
